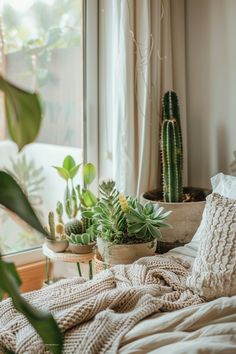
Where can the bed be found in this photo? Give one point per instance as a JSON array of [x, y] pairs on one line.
[[206, 328], [180, 302]]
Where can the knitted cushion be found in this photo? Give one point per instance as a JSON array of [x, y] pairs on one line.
[[214, 269]]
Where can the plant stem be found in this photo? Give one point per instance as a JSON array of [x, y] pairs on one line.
[[90, 270], [79, 269]]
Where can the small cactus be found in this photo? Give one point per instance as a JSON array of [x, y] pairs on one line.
[[51, 223], [74, 227], [171, 149], [86, 222]]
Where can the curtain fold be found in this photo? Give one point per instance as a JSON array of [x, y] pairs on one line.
[[139, 60]]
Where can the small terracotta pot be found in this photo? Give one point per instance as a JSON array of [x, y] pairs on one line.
[[56, 245], [82, 249], [114, 254]]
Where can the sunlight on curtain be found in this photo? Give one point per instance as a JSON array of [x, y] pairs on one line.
[[139, 61]]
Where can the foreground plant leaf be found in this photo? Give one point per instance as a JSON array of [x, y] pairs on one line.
[[43, 322], [23, 113], [13, 198]]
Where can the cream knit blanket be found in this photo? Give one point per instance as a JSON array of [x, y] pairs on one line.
[[94, 315]]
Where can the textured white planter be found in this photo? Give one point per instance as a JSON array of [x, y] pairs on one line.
[[124, 254], [185, 219]]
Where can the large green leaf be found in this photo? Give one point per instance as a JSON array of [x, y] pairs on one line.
[[89, 173], [43, 322], [13, 198], [23, 113]]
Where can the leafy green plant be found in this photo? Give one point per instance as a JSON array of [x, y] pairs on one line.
[[75, 197], [120, 220], [171, 149], [23, 113]]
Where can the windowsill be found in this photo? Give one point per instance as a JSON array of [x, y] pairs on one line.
[[25, 257]]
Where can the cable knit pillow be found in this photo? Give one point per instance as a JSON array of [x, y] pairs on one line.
[[214, 268]]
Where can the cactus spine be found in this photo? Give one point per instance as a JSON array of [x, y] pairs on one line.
[[51, 223], [171, 149]]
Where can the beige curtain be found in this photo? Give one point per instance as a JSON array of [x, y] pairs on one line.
[[141, 55]]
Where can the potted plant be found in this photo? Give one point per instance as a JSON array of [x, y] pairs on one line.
[[56, 239], [76, 200], [186, 203], [82, 243], [126, 230]]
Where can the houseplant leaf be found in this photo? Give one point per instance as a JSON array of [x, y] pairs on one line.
[[89, 173], [23, 113], [62, 172], [42, 322], [13, 198], [68, 163], [89, 198], [73, 172]]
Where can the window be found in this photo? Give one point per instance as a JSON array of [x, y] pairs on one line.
[[43, 51]]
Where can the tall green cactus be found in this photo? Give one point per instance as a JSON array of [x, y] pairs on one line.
[[171, 149]]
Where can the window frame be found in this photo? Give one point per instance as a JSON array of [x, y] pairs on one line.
[[90, 111]]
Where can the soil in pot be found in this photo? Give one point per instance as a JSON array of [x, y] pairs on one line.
[[190, 194], [185, 217], [82, 249], [114, 254], [57, 245]]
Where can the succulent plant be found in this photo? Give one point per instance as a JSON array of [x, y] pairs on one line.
[[51, 223], [119, 219], [74, 227], [146, 220], [171, 149], [83, 239]]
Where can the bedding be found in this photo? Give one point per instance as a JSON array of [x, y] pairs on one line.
[[96, 314], [208, 328], [140, 308], [198, 328]]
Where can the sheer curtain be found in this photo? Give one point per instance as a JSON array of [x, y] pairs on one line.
[[141, 55]]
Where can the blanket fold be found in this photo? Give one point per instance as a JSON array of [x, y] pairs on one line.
[[94, 315]]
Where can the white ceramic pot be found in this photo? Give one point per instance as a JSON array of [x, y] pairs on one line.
[[185, 219], [113, 254]]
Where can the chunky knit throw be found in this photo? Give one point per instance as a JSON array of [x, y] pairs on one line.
[[94, 315], [214, 268]]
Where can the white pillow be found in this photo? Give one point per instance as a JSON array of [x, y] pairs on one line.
[[213, 273], [224, 185]]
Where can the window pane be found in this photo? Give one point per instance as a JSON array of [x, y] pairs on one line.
[[43, 52]]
